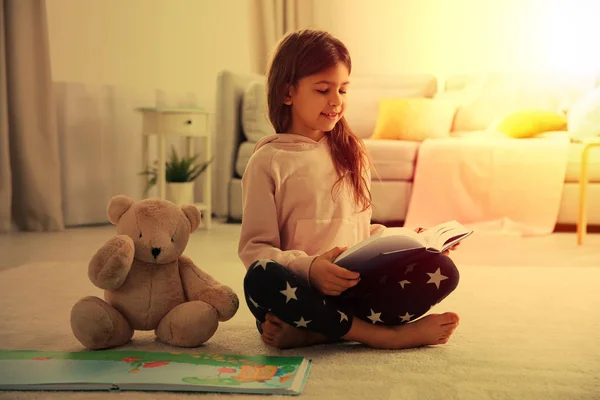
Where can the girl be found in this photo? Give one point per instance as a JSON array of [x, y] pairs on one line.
[[306, 198]]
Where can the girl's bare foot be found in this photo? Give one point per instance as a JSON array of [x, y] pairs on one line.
[[281, 335], [432, 329]]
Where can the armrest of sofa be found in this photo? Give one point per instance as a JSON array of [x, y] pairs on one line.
[[228, 134]]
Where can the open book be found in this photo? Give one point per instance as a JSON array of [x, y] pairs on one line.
[[120, 370], [395, 244]]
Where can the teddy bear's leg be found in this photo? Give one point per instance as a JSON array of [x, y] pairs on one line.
[[97, 325], [188, 325]]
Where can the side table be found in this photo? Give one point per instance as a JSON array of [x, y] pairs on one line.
[[588, 144], [192, 123]]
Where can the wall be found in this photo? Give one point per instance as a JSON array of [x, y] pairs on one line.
[[457, 36], [174, 45], [117, 55], [181, 45]]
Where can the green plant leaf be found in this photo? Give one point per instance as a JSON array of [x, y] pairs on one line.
[[177, 169]]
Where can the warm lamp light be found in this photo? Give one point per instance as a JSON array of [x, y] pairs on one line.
[[569, 31]]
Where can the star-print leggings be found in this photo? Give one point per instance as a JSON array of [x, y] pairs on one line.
[[396, 294]]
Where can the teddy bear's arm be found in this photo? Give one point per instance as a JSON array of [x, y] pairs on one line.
[[109, 267], [199, 285]]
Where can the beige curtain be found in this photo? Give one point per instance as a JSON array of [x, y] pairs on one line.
[[30, 182], [271, 20]]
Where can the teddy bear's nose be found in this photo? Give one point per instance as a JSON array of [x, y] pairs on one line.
[[155, 251]]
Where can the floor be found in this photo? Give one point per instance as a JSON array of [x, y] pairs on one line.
[[527, 309], [79, 244]]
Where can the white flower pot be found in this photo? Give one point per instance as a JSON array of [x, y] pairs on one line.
[[180, 192]]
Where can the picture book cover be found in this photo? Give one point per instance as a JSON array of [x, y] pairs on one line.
[[123, 370]]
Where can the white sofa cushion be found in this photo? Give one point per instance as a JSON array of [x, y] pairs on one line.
[[390, 200], [485, 98], [243, 157], [393, 160], [574, 164], [584, 116], [255, 121]]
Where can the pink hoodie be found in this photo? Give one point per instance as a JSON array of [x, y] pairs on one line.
[[289, 215]]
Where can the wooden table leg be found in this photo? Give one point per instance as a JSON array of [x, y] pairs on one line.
[[162, 159], [145, 157], [189, 144], [207, 180], [583, 184]]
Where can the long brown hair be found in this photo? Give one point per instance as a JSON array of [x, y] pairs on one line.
[[304, 53]]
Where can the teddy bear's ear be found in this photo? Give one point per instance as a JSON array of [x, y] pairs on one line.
[[117, 206], [193, 215]]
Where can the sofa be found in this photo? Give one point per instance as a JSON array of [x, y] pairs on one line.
[[241, 121]]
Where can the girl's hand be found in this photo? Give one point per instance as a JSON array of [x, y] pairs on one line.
[[447, 252], [331, 279]]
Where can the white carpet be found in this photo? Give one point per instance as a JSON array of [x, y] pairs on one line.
[[525, 333]]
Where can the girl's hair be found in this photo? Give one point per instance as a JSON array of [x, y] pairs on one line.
[[304, 53]]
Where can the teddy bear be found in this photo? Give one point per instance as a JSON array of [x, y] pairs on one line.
[[148, 283]]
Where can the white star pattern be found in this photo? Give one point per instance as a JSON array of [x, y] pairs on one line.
[[410, 268], [436, 278], [289, 292], [406, 317], [404, 282], [302, 323], [263, 263], [254, 303], [375, 316], [343, 316]]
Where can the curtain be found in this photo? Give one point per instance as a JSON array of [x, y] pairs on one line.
[[273, 19], [30, 181]]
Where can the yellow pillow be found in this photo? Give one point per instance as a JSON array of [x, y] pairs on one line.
[[528, 123], [414, 119]]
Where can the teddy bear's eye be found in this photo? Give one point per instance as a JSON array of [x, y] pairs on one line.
[[140, 234], [172, 238]]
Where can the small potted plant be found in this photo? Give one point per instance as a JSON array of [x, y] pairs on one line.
[[180, 174]]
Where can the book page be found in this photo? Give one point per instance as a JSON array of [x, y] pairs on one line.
[[443, 236]]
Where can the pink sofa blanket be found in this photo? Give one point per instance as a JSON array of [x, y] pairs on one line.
[[490, 183]]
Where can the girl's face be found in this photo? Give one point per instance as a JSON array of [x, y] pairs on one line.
[[318, 102]]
